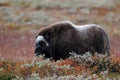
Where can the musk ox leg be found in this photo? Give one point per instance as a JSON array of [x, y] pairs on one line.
[[53, 52]]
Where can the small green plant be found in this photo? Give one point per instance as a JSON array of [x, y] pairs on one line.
[[6, 76]]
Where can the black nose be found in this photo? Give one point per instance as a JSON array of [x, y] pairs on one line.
[[36, 50]]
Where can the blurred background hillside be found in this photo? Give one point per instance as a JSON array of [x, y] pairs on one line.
[[20, 21]]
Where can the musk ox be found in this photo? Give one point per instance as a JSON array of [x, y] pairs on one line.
[[58, 39]]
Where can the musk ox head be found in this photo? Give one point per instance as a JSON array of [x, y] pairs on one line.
[[58, 39], [42, 46]]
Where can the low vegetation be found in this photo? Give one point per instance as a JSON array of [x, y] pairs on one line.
[[76, 67]]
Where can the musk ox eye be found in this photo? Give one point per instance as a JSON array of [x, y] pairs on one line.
[[42, 43]]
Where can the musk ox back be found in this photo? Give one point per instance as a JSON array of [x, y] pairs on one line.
[[58, 39]]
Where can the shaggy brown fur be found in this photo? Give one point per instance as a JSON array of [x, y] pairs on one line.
[[63, 37]]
